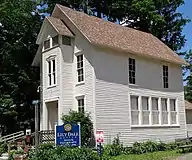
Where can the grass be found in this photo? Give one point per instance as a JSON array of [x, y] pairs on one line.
[[164, 155]]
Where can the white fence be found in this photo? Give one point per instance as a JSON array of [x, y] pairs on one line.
[[12, 137]]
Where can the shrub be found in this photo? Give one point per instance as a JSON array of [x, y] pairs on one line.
[[3, 148], [63, 153], [87, 134], [114, 149]]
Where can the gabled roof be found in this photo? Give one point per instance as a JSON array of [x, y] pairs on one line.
[[114, 36], [59, 26], [188, 105]]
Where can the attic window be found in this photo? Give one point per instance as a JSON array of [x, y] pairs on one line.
[[55, 41], [66, 40], [47, 44]]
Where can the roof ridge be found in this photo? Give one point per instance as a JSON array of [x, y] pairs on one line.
[[92, 16], [105, 33]]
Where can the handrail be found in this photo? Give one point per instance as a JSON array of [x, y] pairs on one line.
[[11, 134], [12, 137]]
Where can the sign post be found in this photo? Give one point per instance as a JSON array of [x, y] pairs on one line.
[[68, 135], [36, 102], [100, 140]]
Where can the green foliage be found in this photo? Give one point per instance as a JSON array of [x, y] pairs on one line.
[[188, 79], [161, 18], [18, 81], [87, 135], [62, 153], [3, 148], [115, 149]]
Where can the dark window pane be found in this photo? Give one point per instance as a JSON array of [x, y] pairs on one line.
[[47, 44], [55, 40], [50, 79], [49, 66], [53, 61], [54, 78], [66, 40]]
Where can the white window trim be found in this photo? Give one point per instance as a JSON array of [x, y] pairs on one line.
[[78, 98], [51, 58], [51, 43], [134, 84], [76, 74], [150, 114], [164, 64]]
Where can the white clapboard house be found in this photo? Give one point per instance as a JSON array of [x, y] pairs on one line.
[[128, 80]]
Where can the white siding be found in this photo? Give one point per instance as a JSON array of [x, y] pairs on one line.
[[86, 88], [112, 96]]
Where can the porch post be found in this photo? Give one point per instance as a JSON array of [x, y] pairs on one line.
[[59, 121], [45, 116]]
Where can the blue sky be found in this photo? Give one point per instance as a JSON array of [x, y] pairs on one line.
[[186, 9]]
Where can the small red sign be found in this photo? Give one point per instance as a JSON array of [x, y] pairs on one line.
[[99, 136]]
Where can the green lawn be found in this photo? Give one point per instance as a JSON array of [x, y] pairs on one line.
[[165, 155]]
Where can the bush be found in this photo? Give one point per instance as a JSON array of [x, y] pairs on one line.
[[48, 152], [3, 148], [114, 149], [87, 134]]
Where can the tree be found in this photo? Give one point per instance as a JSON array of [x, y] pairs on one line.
[[188, 79], [87, 136], [159, 17], [19, 25]]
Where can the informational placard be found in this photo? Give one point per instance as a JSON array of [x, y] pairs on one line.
[[99, 136], [68, 135]]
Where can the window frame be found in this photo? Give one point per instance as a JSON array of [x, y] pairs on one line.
[[174, 112], [81, 68], [155, 111], [47, 40], [56, 44], [165, 76], [78, 99], [132, 71], [145, 110], [67, 38], [134, 110], [165, 112], [155, 108], [51, 71]]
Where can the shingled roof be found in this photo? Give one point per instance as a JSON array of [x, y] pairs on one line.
[[111, 35], [59, 26]]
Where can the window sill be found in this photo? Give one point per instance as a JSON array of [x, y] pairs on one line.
[[156, 126], [133, 85], [80, 83], [52, 86]]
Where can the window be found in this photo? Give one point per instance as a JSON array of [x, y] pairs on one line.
[[131, 71], [55, 41], [165, 77], [51, 72], [47, 44], [81, 105], [145, 110], [66, 40], [134, 110], [80, 71], [173, 111], [164, 111], [155, 111]]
